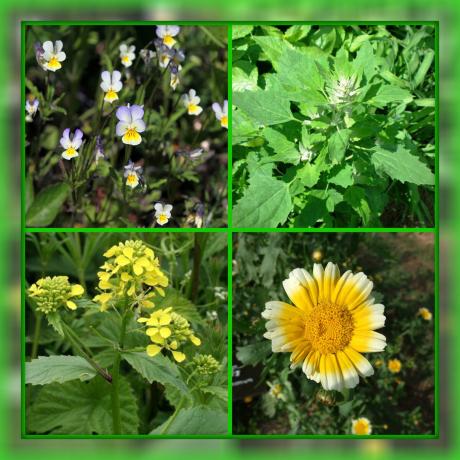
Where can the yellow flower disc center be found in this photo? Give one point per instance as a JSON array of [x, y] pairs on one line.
[[329, 328], [53, 63], [361, 427], [224, 121]]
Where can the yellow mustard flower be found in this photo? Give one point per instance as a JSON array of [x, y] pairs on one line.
[[361, 426], [394, 366], [425, 313], [131, 270], [332, 321], [51, 293], [168, 330]]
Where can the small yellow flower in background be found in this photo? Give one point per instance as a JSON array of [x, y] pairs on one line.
[[163, 213], [361, 426], [276, 390], [317, 255], [71, 144], [378, 363], [131, 270], [166, 33], [425, 313], [168, 330], [127, 54], [191, 102], [221, 113], [332, 321], [51, 293], [394, 366], [111, 85], [52, 55]]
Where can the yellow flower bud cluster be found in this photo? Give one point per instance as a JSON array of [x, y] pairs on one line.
[[205, 364], [168, 330], [130, 267], [51, 293]]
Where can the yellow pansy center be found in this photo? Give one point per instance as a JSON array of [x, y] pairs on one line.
[[224, 121], [132, 179], [131, 135], [329, 327], [71, 152], [125, 59], [111, 95], [193, 108], [168, 40], [53, 63], [162, 219]]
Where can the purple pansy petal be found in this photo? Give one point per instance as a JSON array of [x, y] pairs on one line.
[[137, 112], [138, 125], [124, 114]]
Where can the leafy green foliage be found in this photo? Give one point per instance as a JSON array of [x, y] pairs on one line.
[[282, 400], [320, 110], [153, 390], [45, 207]]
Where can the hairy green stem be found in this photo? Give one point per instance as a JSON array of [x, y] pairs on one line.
[[116, 417], [37, 329]]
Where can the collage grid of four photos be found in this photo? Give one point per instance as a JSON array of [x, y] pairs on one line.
[[230, 230]]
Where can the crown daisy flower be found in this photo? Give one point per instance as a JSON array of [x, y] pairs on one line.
[[132, 174], [163, 213], [111, 85], [191, 102], [31, 109], [127, 54], [332, 321], [221, 113], [166, 33], [361, 426], [425, 313], [394, 366], [71, 144], [130, 124], [52, 55]]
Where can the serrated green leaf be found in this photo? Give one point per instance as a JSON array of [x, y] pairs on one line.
[[263, 107], [181, 304], [285, 150], [46, 205], [157, 369], [241, 31], [296, 33], [60, 369], [314, 210], [344, 178], [387, 94], [265, 203], [401, 165], [82, 408], [244, 76], [219, 392], [309, 174], [195, 420], [252, 354], [337, 145]]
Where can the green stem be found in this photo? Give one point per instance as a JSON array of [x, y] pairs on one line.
[[38, 326], [75, 342], [195, 278], [173, 416], [116, 417]]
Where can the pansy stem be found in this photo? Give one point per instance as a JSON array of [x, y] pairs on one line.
[[116, 417]]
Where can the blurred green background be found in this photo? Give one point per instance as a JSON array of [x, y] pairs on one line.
[[12, 12]]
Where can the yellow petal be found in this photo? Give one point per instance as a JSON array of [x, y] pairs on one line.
[[138, 270], [104, 276], [128, 252], [146, 304], [122, 261], [71, 305], [152, 331], [178, 356], [165, 319], [153, 350], [195, 340], [125, 277], [76, 290], [165, 332]]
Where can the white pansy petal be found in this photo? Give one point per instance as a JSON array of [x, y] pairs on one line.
[[167, 208], [61, 56], [121, 128], [138, 125], [58, 45]]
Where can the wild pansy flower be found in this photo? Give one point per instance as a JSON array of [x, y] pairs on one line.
[[132, 174], [99, 151], [166, 33], [71, 144], [147, 55], [31, 109], [130, 124], [191, 102], [162, 213], [221, 113], [52, 55], [111, 85], [52, 293], [127, 54]]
